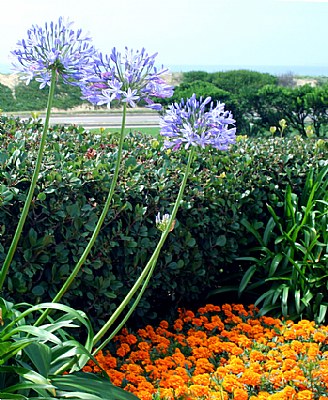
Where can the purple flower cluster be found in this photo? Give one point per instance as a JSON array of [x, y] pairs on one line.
[[197, 123], [129, 78], [56, 47]]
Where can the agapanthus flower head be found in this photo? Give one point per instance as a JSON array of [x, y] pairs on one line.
[[54, 47], [130, 78], [198, 123]]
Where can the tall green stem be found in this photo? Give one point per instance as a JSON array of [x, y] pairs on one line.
[[152, 259], [128, 314], [28, 201], [100, 222]]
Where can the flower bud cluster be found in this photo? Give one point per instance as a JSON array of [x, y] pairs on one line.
[[162, 223]]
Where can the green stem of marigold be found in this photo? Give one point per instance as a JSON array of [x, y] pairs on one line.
[[28, 201], [100, 222], [152, 259]]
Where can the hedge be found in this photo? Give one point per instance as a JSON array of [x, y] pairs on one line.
[[199, 255]]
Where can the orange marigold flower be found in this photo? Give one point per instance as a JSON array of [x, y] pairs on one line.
[[123, 350], [209, 308], [172, 381], [201, 352], [139, 355], [231, 383], [145, 346], [221, 395], [203, 366], [167, 394], [201, 379], [251, 378], [288, 364], [143, 394], [164, 324], [178, 325], [197, 391], [261, 396], [214, 361], [240, 309], [235, 365], [320, 337], [197, 321], [153, 372], [256, 356], [181, 392], [116, 377], [240, 394], [304, 395], [288, 393], [130, 339]]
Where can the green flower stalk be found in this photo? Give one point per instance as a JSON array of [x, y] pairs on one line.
[[149, 268], [140, 80], [100, 222], [137, 75], [196, 123], [44, 55], [34, 180]]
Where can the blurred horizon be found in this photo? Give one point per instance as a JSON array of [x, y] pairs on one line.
[[296, 70]]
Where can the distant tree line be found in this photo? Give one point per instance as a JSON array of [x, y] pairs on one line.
[[260, 100], [31, 98], [257, 100]]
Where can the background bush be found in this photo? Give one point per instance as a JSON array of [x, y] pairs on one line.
[[260, 100], [257, 100], [200, 253], [31, 98]]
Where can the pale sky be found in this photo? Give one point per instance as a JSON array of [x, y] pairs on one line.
[[194, 32]]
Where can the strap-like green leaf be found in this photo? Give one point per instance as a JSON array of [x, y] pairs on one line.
[[284, 300], [246, 278], [298, 301], [322, 314], [274, 264], [90, 383], [40, 355]]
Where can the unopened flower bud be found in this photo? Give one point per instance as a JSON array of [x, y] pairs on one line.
[[162, 223]]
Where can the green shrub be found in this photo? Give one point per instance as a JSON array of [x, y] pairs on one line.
[[7, 100], [31, 98], [199, 254]]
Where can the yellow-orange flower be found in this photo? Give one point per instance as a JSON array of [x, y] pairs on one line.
[[220, 353]]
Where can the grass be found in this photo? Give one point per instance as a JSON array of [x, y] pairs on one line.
[[148, 130]]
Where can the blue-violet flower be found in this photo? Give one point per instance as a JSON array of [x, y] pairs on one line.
[[197, 123], [130, 78], [55, 47]]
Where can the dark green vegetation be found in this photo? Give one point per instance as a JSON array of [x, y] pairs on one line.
[[31, 98], [227, 193], [259, 101]]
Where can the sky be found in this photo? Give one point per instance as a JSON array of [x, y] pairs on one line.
[[186, 32]]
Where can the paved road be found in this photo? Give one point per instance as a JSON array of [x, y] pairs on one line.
[[110, 120]]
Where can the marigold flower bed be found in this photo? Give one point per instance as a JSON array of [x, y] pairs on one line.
[[226, 352]]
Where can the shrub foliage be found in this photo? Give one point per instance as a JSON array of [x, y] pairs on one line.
[[200, 254]]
